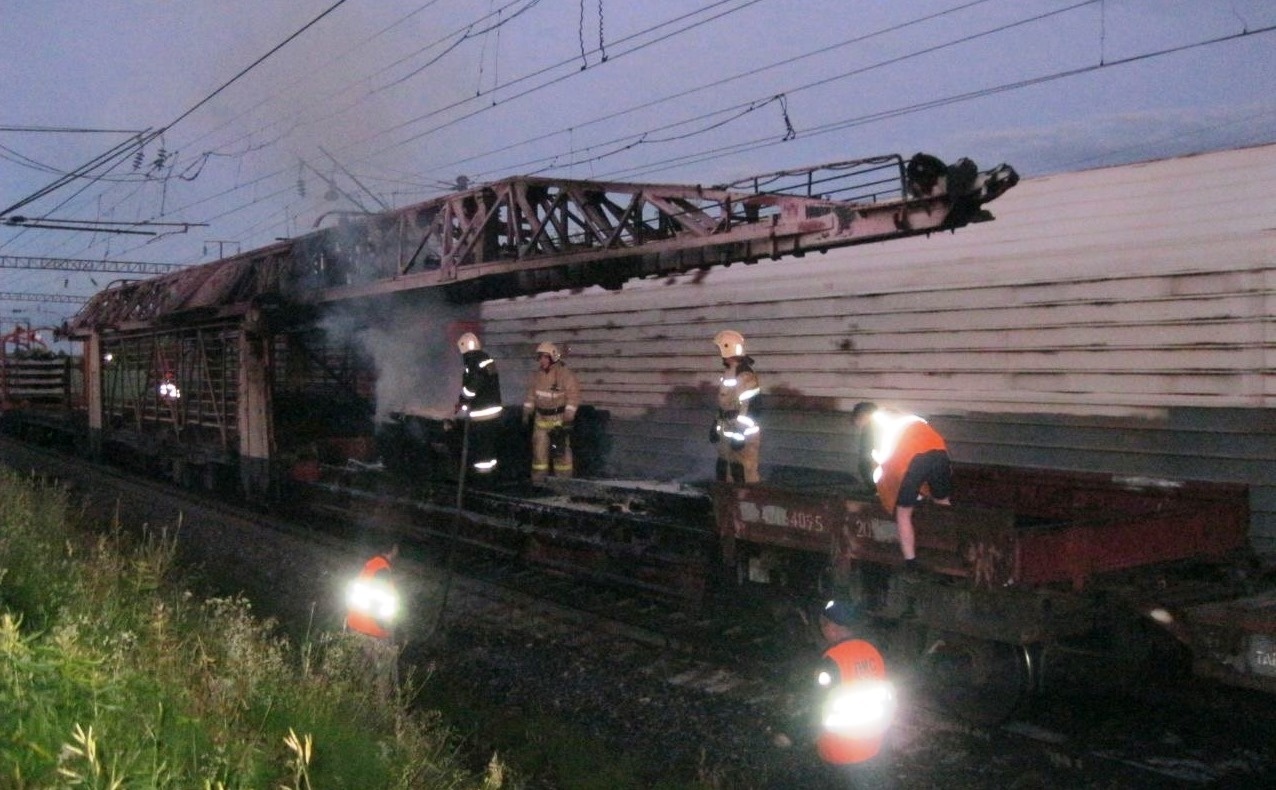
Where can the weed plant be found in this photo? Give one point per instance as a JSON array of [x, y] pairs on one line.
[[112, 677]]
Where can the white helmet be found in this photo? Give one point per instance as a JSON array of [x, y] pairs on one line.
[[468, 342], [551, 349], [729, 343]]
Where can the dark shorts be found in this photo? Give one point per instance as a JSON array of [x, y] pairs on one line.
[[931, 467]]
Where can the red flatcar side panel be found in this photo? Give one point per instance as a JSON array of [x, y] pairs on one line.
[[778, 517], [1008, 526], [979, 544], [1053, 495], [967, 541], [1074, 552]]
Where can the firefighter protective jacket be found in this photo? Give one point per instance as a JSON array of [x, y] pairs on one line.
[[855, 666], [736, 389], [480, 387], [911, 439], [377, 570], [553, 396]]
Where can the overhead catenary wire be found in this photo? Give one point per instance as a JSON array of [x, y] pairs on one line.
[[116, 154], [618, 145], [716, 84], [331, 95], [842, 125], [113, 156], [747, 107], [643, 32], [556, 80], [67, 130], [708, 153], [209, 97], [746, 3]]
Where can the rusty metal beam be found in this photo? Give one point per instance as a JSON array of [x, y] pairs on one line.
[[526, 235]]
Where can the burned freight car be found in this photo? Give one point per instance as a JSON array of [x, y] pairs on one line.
[[235, 375], [232, 370]]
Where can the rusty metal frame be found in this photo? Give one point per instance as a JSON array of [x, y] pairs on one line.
[[208, 382], [525, 235]]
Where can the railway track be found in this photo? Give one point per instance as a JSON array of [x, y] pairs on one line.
[[742, 675], [633, 555]]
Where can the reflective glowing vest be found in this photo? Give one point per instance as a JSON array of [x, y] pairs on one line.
[[360, 620], [899, 439], [858, 705]]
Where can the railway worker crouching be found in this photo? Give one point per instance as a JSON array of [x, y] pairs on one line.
[[553, 396], [479, 402], [910, 464], [856, 700], [372, 612], [736, 434]]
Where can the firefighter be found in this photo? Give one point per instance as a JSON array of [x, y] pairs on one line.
[[736, 434], [372, 612], [856, 699], [553, 396], [910, 464], [479, 402]]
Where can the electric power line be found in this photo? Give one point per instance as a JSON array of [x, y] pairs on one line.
[[647, 30], [78, 265], [707, 154], [114, 155]]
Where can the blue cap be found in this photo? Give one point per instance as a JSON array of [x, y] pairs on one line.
[[844, 613]]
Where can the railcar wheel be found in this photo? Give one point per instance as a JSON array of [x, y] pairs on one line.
[[974, 679]]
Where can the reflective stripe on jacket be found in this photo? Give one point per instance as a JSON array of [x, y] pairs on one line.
[[480, 386], [853, 662], [553, 395], [736, 389]]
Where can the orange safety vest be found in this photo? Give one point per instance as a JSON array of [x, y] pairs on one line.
[[917, 438], [361, 621], [857, 662]]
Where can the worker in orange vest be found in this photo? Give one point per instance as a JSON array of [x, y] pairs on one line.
[[372, 602], [857, 704], [910, 463]]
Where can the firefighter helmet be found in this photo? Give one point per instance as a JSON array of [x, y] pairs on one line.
[[551, 350], [468, 342], [730, 343]]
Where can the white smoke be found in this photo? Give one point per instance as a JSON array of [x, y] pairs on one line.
[[410, 342]]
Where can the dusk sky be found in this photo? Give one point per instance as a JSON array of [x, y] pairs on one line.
[[366, 104]]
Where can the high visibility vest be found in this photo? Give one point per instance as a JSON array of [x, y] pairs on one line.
[[361, 621], [855, 664], [916, 438]]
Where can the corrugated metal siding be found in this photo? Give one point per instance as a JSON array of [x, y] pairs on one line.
[[1114, 320]]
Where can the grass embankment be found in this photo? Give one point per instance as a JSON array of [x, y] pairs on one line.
[[112, 676]]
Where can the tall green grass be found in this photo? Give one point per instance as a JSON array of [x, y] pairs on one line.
[[111, 676]]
